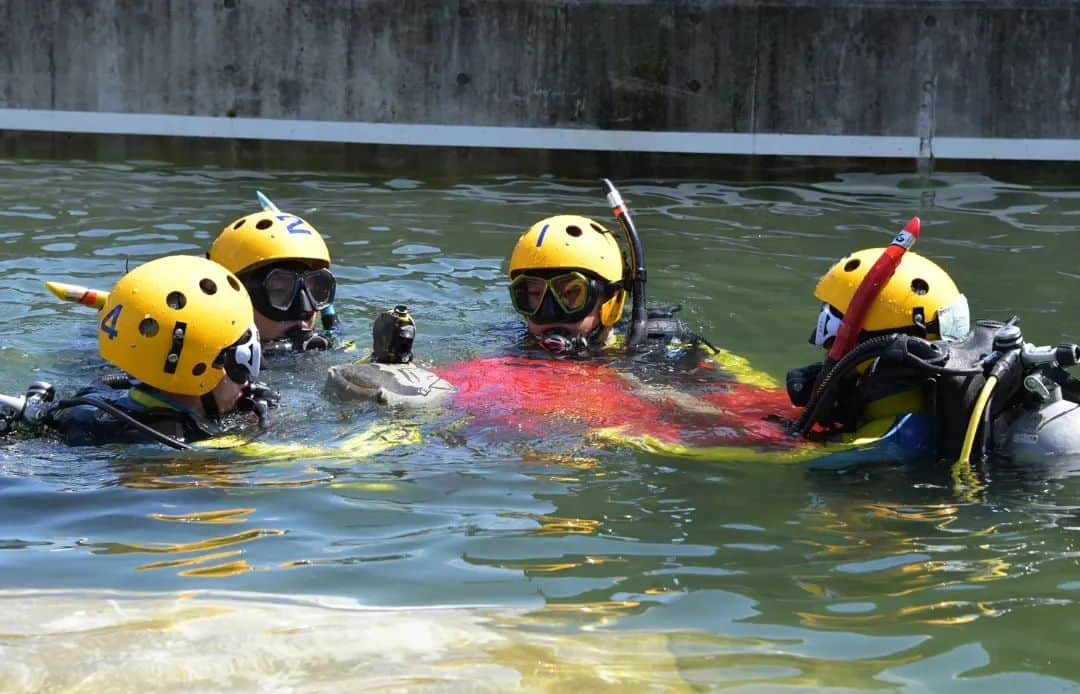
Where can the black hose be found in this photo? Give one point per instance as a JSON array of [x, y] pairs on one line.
[[874, 347], [128, 419], [830, 376], [638, 312]]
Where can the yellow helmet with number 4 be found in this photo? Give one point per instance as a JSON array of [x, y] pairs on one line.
[[920, 298], [574, 243], [265, 237], [179, 324]]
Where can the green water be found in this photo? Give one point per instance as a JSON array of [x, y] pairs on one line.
[[486, 562]]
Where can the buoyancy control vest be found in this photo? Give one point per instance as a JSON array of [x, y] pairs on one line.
[[83, 421], [943, 378]]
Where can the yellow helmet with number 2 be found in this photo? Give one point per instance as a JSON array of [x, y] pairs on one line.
[[169, 322], [265, 237], [573, 242], [920, 298]]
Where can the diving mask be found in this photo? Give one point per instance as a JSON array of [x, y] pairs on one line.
[[828, 325], [566, 297], [284, 293], [242, 360], [954, 320]]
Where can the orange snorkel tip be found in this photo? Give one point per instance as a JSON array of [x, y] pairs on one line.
[[77, 294]]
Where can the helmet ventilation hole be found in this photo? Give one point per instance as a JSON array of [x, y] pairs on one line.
[[148, 327], [598, 229], [852, 265], [239, 223], [264, 224], [176, 300], [233, 283], [574, 231], [920, 287], [199, 369], [208, 286]]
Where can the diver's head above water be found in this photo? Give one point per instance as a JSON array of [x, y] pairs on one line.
[[919, 299], [285, 266], [184, 326], [567, 282]]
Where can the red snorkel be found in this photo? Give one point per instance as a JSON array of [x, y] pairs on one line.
[[847, 335], [883, 269]]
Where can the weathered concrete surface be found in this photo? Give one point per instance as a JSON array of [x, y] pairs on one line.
[[899, 68]]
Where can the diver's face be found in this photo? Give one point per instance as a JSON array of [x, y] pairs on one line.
[[271, 329], [227, 394], [582, 327], [286, 296]]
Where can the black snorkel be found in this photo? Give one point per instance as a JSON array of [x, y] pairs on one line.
[[635, 265]]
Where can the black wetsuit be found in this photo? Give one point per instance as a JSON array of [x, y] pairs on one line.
[[82, 423]]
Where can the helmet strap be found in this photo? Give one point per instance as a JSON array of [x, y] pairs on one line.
[[209, 405], [173, 357], [918, 318]]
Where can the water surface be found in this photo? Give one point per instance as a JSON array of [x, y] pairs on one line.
[[476, 561]]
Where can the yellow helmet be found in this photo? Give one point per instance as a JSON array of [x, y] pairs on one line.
[[920, 298], [170, 322], [265, 237], [571, 242]]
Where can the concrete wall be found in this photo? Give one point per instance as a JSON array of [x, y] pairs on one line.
[[913, 69]]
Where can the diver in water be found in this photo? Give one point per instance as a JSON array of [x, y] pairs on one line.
[[182, 330], [906, 365], [285, 266], [579, 361], [570, 285]]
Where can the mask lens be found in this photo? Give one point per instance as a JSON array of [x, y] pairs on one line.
[[320, 285], [281, 287], [954, 321], [243, 359], [571, 291], [828, 325], [526, 293]]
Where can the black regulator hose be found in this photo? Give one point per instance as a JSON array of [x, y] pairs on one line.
[[128, 419], [828, 379], [638, 313], [894, 346]]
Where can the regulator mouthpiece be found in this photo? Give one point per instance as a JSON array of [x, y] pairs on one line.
[[560, 341]]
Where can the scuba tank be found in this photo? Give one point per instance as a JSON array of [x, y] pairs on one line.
[[988, 394], [32, 408]]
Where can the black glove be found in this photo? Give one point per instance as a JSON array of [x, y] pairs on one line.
[[258, 398]]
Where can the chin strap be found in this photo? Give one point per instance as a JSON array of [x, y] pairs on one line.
[[210, 406]]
